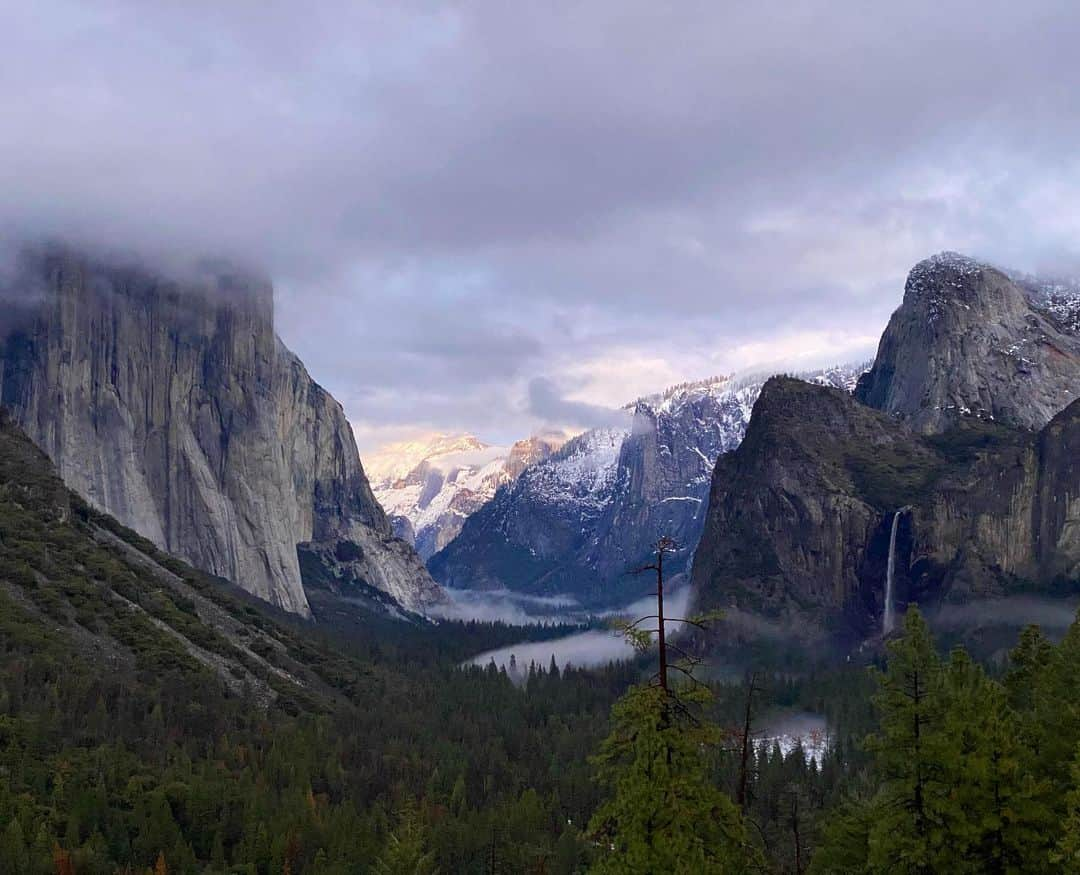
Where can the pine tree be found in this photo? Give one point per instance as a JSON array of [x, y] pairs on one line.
[[908, 754], [1067, 855], [405, 852], [664, 813], [14, 855], [845, 845], [996, 819], [1052, 724], [1027, 662]]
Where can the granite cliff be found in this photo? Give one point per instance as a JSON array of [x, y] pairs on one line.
[[965, 439], [172, 405], [969, 340], [800, 515]]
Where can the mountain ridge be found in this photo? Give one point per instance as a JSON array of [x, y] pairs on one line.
[[577, 522], [430, 487], [969, 341]]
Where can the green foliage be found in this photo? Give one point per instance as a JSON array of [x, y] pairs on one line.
[[406, 850], [664, 813], [964, 777], [891, 476], [150, 714]]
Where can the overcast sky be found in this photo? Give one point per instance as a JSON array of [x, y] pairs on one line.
[[492, 216]]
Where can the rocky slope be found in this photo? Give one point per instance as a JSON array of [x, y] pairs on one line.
[[578, 522], [801, 514], [430, 487], [173, 406], [76, 584], [971, 341]]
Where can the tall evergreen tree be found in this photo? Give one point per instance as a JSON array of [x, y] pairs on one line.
[[664, 814], [997, 821], [1067, 855], [908, 755]]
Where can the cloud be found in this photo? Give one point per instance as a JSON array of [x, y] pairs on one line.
[[547, 403], [457, 199]]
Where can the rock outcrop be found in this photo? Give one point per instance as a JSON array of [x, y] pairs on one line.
[[173, 406], [800, 515], [970, 341]]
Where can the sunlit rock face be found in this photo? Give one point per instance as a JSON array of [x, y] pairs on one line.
[[170, 403], [430, 486]]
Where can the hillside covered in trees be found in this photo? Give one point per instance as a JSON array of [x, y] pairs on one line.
[[150, 716]]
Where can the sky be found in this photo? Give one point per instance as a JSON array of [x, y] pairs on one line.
[[496, 217]]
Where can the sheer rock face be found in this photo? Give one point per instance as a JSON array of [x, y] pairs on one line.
[[175, 408], [969, 341], [800, 514]]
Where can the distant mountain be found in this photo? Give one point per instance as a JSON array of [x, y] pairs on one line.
[[579, 522], [429, 487], [967, 471], [172, 405]]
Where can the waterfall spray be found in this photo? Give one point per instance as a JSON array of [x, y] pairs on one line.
[[888, 620]]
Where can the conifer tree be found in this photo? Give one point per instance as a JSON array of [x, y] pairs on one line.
[[405, 852], [1053, 720], [664, 812], [908, 755], [997, 821], [845, 846], [1067, 855], [14, 855]]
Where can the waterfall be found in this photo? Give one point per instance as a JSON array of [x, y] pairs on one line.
[[888, 620]]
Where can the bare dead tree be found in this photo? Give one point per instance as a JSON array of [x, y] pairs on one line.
[[641, 638], [796, 833], [746, 742]]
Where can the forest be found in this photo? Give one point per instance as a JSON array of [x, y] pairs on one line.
[[153, 720]]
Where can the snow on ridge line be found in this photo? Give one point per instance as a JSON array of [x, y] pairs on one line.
[[396, 461], [584, 472]]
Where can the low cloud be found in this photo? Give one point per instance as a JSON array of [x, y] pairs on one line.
[[455, 200], [548, 404]]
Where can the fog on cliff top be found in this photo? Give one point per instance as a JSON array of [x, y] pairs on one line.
[[482, 217]]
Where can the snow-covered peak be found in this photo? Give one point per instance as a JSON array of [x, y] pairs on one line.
[[1057, 297], [675, 396], [396, 461], [582, 470], [939, 279], [743, 388], [429, 487], [838, 376], [577, 521], [953, 262]]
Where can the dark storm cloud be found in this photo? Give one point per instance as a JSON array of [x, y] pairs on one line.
[[457, 199]]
